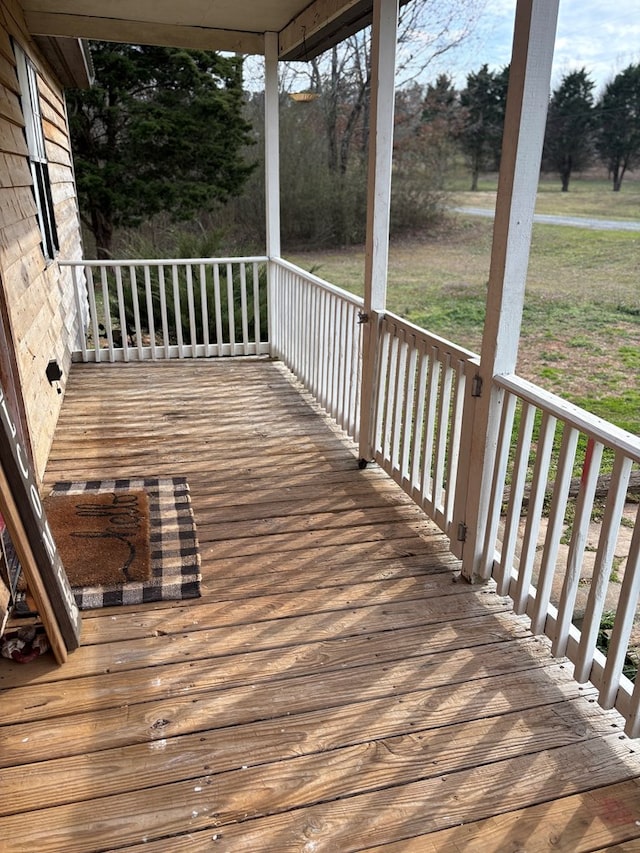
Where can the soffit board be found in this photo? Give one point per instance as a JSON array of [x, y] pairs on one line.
[[305, 29]]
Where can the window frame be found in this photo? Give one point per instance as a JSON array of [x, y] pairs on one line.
[[38, 162]]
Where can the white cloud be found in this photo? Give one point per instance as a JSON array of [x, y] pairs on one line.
[[603, 36], [599, 35]]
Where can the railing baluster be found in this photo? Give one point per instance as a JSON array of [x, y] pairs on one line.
[[390, 396], [455, 436], [217, 301], [409, 413], [81, 310], [383, 372], [497, 484], [340, 371], [397, 404], [122, 314], [315, 381], [296, 330], [93, 311], [177, 309], [317, 341], [193, 335], [231, 310], [623, 624], [534, 512], [428, 485], [419, 425], [150, 317], [602, 567], [243, 309], [332, 354], [519, 475], [204, 309], [579, 533], [351, 372], [555, 526], [632, 728], [442, 427], [325, 388], [164, 313], [136, 311], [256, 306], [106, 307]]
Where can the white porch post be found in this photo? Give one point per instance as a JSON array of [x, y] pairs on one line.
[[272, 176], [527, 101], [384, 33], [272, 144]]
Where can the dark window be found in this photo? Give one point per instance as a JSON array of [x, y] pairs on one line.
[[37, 153]]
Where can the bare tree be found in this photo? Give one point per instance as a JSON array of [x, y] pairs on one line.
[[341, 77], [324, 122]]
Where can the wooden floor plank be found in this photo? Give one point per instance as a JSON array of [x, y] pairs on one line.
[[282, 642], [114, 771], [390, 769], [183, 714], [605, 816], [296, 671], [235, 802], [336, 687]]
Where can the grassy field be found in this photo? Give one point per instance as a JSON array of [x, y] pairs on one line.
[[581, 324], [586, 197]]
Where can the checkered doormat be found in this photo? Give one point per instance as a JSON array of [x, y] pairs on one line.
[[175, 556]]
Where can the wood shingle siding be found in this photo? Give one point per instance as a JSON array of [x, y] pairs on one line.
[[39, 294]]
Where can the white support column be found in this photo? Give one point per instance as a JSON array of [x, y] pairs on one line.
[[272, 144], [272, 179], [384, 34], [526, 112]]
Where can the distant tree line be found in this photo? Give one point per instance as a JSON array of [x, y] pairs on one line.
[[172, 133], [324, 135], [580, 131]]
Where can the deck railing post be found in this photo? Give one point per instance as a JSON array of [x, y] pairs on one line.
[[525, 118], [383, 56]]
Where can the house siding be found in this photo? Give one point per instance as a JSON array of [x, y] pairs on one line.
[[39, 294]]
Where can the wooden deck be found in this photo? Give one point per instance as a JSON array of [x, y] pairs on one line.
[[334, 688]]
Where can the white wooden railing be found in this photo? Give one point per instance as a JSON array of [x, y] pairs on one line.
[[421, 390], [315, 330], [159, 309], [559, 501], [540, 530]]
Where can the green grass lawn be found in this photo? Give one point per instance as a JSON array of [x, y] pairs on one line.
[[586, 197], [581, 324]]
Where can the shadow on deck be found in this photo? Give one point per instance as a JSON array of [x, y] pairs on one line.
[[335, 688]]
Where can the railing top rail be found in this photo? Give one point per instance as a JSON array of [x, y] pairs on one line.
[[157, 262], [597, 428], [431, 339], [320, 282]]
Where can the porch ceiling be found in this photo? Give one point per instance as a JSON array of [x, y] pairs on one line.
[[305, 29]]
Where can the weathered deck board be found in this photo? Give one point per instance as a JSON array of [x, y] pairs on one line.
[[336, 687]]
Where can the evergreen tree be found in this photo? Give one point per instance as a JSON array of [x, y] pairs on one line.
[[619, 124], [160, 130], [440, 127], [568, 142], [483, 103]]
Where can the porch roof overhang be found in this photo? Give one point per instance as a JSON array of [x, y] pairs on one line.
[[70, 58], [305, 29]]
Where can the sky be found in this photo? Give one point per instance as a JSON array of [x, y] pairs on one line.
[[602, 36]]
